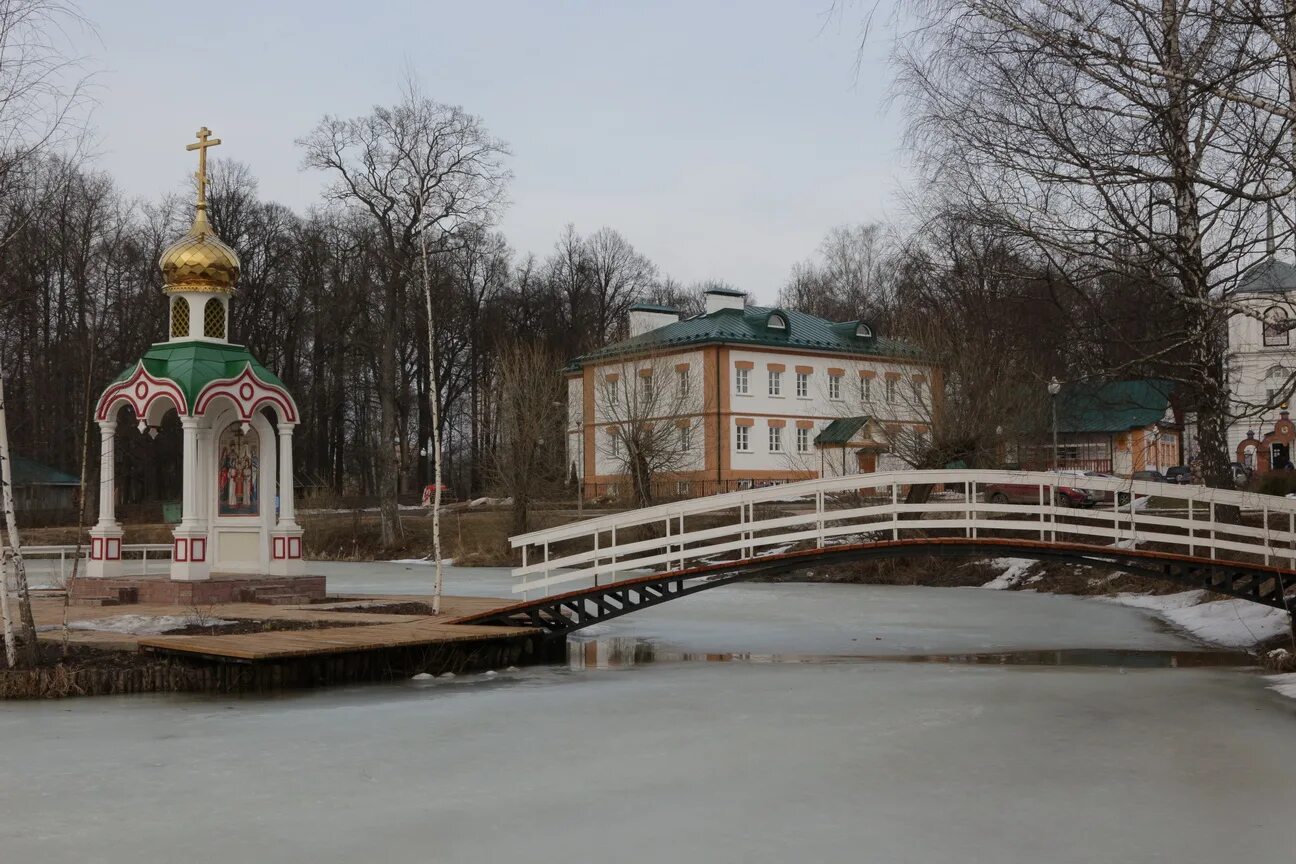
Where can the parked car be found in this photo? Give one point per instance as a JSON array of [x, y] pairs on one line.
[[1149, 476], [1179, 474], [1029, 493]]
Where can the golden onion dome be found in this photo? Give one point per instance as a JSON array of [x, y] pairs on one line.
[[199, 261]]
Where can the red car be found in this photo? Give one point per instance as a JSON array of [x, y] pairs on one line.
[[1029, 493]]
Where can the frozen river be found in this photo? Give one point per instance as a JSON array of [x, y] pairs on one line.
[[818, 758]]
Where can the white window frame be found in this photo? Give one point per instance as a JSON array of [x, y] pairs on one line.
[[742, 439], [681, 382], [742, 382], [803, 440], [803, 385], [685, 438], [775, 382], [866, 389], [776, 439], [891, 390], [834, 387]]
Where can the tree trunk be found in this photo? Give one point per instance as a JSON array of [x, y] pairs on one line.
[[387, 468], [25, 654]]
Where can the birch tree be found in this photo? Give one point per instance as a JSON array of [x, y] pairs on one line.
[[1096, 132], [418, 168]]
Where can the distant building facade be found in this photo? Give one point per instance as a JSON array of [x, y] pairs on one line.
[[1117, 427], [39, 487], [744, 396], [1261, 361]]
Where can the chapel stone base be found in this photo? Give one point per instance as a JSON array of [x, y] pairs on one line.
[[274, 590]]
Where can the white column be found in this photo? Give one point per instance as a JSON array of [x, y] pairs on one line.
[[107, 481], [287, 510], [189, 498], [202, 462]]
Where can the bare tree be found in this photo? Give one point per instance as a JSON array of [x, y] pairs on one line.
[[648, 419], [1108, 164], [418, 167], [528, 460], [849, 280]]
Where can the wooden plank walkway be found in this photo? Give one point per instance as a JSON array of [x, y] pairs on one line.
[[253, 647]]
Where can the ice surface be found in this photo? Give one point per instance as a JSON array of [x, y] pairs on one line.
[[688, 762]]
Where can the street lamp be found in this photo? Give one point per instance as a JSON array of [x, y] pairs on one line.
[[1054, 388]]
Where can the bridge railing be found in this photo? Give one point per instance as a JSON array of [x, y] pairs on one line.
[[1191, 520]]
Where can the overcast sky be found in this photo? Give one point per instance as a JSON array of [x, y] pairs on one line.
[[722, 139]]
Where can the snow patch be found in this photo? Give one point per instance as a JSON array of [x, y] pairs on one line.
[[1284, 685], [143, 625], [1232, 623], [445, 562], [1014, 572], [1157, 602]]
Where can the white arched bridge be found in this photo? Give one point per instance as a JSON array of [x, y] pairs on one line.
[[1234, 543]]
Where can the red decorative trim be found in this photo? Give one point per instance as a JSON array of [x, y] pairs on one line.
[[140, 390], [198, 549], [294, 547], [248, 393], [181, 552], [113, 549], [96, 548], [279, 552]]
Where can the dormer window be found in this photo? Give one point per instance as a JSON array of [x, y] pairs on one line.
[[777, 322], [863, 331]]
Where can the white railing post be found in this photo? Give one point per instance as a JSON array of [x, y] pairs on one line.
[[1212, 528], [1264, 515], [1192, 547], [613, 562], [1042, 515], [895, 510], [819, 519], [967, 511], [668, 545]]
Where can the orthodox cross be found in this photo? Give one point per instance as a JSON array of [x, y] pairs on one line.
[[203, 136]]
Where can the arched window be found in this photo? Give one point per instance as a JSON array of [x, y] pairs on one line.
[[776, 322], [1275, 327], [179, 318], [214, 319], [863, 330]]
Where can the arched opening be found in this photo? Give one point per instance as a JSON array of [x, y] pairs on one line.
[[149, 466], [1276, 332], [214, 319], [179, 317]]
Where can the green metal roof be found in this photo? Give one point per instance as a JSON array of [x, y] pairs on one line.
[[1269, 276], [840, 431], [1114, 406], [28, 473], [192, 365], [747, 326]]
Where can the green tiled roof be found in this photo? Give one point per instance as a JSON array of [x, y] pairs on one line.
[[28, 473], [192, 365], [1114, 406], [840, 431], [747, 326]]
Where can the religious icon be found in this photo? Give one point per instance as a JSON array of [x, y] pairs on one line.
[[238, 472]]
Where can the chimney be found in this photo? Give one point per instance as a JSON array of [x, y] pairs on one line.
[[723, 298], [645, 317]]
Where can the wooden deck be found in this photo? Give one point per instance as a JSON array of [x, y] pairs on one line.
[[254, 647], [336, 630]]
